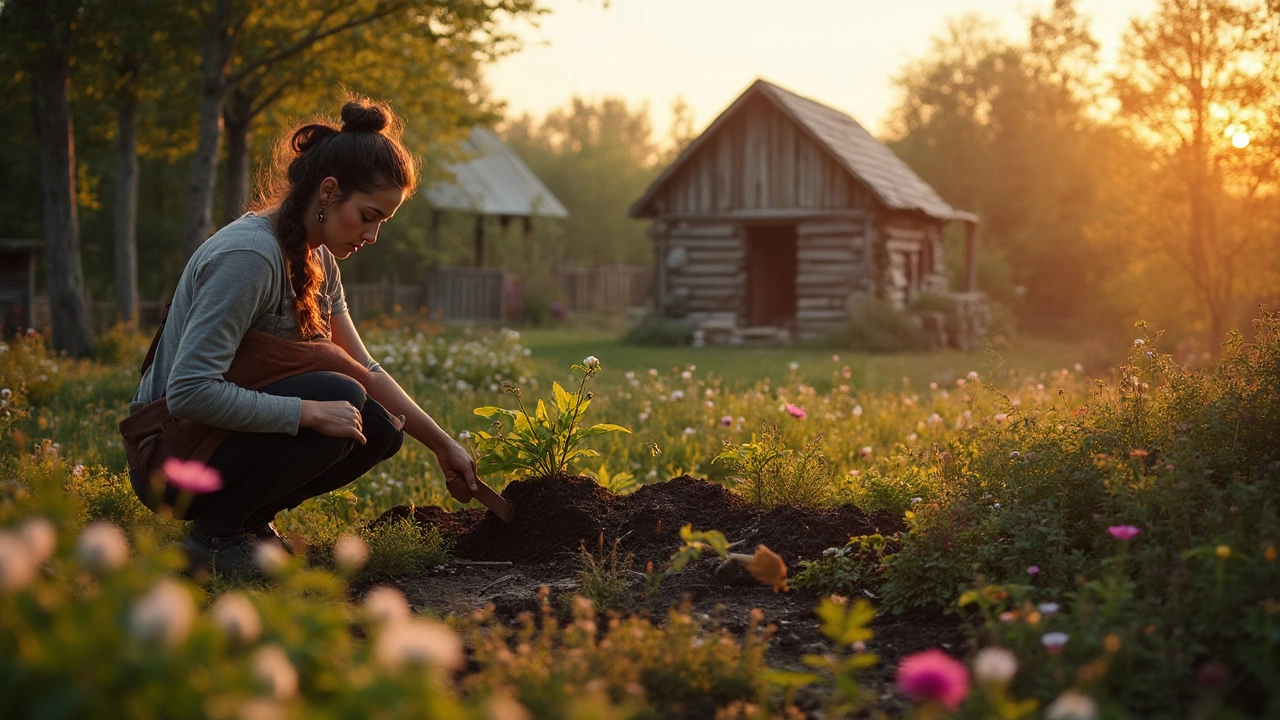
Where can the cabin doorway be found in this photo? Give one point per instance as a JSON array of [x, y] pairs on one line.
[[771, 275]]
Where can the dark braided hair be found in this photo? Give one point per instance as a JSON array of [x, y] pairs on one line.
[[364, 155]]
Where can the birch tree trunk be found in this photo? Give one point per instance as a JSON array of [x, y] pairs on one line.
[[126, 200], [50, 75], [215, 54]]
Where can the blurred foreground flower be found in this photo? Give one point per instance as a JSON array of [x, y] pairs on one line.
[[273, 671], [419, 642], [1124, 532], [796, 411], [192, 476], [17, 567], [350, 553], [934, 676], [386, 605], [164, 615], [102, 547], [236, 616], [994, 666], [1054, 641], [40, 537], [1072, 705]]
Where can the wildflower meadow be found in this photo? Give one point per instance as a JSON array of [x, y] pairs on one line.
[[1060, 542]]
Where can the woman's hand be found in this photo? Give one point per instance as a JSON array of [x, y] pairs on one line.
[[459, 471], [335, 418]]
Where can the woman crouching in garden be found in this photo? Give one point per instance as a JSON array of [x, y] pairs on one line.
[[240, 376]]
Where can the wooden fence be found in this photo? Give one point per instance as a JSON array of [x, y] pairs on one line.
[[451, 294]]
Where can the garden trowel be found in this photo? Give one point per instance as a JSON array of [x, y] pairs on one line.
[[495, 502]]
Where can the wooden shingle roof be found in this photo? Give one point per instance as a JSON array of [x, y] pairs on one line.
[[870, 161]]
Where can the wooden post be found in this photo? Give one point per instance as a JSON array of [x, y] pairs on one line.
[[479, 241], [526, 233], [433, 236], [31, 289], [970, 256]]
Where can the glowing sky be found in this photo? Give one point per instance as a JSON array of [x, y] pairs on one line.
[[841, 52]]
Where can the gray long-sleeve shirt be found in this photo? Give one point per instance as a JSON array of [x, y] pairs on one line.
[[235, 281]]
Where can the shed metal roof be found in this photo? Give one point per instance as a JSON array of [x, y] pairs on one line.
[[890, 179], [493, 181]]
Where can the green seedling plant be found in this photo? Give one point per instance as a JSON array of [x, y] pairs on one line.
[[547, 441]]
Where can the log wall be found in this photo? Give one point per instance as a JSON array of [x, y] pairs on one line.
[[833, 262], [761, 160], [703, 268], [911, 262]]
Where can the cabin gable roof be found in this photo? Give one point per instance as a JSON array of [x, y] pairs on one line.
[[893, 183]]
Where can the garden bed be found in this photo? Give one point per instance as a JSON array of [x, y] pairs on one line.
[[505, 564]]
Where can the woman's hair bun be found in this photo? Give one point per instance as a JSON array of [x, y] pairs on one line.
[[364, 117]]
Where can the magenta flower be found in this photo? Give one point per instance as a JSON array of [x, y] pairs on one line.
[[192, 476], [727, 420], [934, 676], [1033, 570], [796, 412], [1123, 532]]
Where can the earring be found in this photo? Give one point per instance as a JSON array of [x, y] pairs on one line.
[[320, 214]]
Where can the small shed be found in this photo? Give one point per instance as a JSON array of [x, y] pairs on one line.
[[18, 284], [491, 180], [785, 216]]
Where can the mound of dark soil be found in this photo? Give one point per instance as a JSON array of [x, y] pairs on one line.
[[554, 516]]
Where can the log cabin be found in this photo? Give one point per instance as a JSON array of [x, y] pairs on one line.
[[785, 216]]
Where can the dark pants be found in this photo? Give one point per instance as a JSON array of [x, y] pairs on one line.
[[264, 473]]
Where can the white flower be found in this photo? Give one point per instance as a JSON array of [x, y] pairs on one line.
[[40, 537], [1001, 417], [630, 375], [273, 671], [102, 547], [591, 362], [419, 642], [994, 666], [915, 500], [794, 365], [1054, 641], [686, 375], [1072, 705], [1049, 609], [350, 553], [933, 386], [6, 393], [236, 616], [973, 375], [464, 435], [270, 557], [644, 416], [857, 411], [653, 372], [1139, 342], [677, 394], [16, 565], [386, 605], [689, 431], [163, 615]]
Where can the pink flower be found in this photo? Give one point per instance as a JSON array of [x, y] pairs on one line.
[[796, 411], [1123, 532], [192, 476], [1033, 570], [727, 420], [934, 676]]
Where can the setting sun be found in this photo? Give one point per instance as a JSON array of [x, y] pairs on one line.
[[1240, 139]]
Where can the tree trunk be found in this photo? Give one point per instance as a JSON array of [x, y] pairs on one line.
[[50, 75], [215, 53], [126, 211], [236, 121]]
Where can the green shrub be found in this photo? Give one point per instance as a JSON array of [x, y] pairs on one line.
[[768, 473], [880, 327], [656, 331]]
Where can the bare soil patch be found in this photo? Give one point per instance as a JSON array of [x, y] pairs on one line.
[[555, 517]]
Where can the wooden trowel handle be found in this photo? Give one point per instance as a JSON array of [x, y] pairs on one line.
[[495, 502]]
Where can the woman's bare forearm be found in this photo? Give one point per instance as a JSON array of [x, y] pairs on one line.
[[417, 423]]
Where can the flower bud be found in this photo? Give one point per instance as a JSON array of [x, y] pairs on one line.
[[350, 553], [273, 671], [164, 615], [236, 616], [102, 547]]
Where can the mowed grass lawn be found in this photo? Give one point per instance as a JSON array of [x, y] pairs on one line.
[[556, 349]]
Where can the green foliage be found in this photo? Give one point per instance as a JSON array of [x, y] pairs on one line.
[[401, 547], [846, 625], [603, 579], [619, 483], [695, 542], [683, 669], [770, 474], [547, 441], [848, 571], [655, 331], [879, 327]]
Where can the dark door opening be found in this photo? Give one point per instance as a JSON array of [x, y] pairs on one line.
[[771, 275]]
